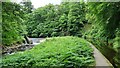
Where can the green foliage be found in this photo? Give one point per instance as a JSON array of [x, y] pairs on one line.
[[105, 22], [54, 52], [27, 6], [117, 41], [116, 46], [105, 16], [11, 26], [51, 20], [0, 23]]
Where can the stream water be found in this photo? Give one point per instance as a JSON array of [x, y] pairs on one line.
[[36, 40], [22, 47]]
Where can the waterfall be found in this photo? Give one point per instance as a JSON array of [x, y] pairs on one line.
[[25, 42]]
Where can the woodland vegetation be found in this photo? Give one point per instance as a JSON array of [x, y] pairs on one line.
[[98, 21]]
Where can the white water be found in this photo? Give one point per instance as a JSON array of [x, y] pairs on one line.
[[36, 40]]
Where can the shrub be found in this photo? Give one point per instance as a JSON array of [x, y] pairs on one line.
[[55, 52]]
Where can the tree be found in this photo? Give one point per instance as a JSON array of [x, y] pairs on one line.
[[76, 17], [105, 16], [27, 6], [11, 23], [51, 20], [0, 23]]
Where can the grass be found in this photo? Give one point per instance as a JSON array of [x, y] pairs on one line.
[[54, 52]]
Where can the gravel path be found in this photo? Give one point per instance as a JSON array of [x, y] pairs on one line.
[[101, 61]]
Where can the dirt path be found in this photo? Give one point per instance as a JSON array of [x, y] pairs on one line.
[[101, 61]]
